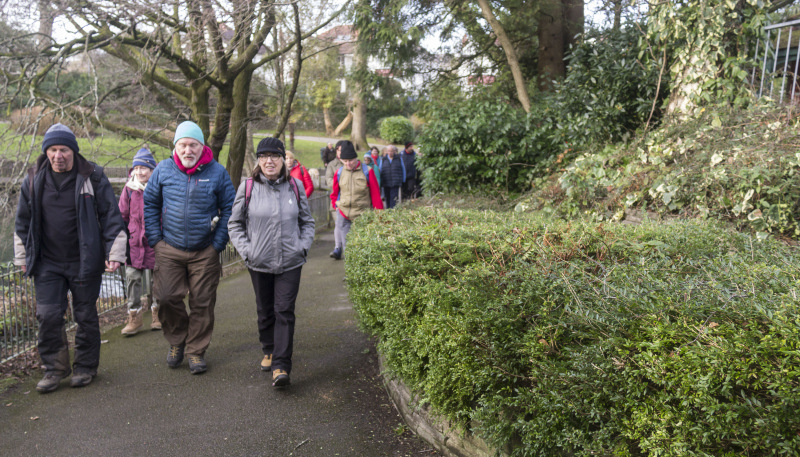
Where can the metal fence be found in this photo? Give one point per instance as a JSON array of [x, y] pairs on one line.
[[777, 60], [18, 326]]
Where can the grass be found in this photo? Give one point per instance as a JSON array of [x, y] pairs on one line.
[[112, 150]]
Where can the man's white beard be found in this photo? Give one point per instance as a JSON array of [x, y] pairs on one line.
[[188, 164]]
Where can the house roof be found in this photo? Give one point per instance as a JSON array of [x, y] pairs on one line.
[[343, 35]]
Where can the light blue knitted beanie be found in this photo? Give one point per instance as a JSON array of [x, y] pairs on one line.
[[189, 129]]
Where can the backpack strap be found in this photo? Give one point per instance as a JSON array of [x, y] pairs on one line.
[[293, 184], [248, 190]]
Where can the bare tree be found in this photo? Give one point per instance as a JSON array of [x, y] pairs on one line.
[[196, 59]]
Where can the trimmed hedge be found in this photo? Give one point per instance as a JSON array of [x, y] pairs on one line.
[[577, 338], [397, 130]]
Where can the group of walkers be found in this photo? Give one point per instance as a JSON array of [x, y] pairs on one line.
[[358, 186], [169, 225]]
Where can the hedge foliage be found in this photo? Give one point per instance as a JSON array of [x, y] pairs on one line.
[[397, 130], [585, 338]]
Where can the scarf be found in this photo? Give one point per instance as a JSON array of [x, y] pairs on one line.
[[205, 157]]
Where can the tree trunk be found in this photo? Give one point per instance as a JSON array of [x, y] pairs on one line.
[[239, 120], [617, 5], [343, 125], [249, 152], [298, 66], [511, 54], [291, 136], [358, 134], [551, 43], [222, 120], [326, 114], [573, 22], [46, 16], [200, 107]]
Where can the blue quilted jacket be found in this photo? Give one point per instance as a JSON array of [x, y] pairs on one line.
[[179, 208]]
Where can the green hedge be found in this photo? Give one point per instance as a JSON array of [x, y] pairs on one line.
[[397, 130], [556, 338]]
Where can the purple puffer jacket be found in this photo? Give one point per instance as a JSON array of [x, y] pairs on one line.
[[131, 205]]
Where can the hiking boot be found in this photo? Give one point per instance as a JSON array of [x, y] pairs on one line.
[[197, 364], [266, 363], [134, 323], [336, 253], [50, 382], [80, 380], [280, 378], [175, 356], [156, 324]]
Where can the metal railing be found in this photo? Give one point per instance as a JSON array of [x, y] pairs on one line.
[[777, 58], [18, 326]]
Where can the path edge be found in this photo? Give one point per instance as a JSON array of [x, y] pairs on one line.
[[431, 427]]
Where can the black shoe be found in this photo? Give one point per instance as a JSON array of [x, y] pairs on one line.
[[80, 380], [175, 356], [197, 364], [336, 254], [50, 382]]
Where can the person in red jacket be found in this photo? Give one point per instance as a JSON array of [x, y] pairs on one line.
[[355, 190], [298, 171]]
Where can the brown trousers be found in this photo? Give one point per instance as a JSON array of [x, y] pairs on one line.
[[177, 272]]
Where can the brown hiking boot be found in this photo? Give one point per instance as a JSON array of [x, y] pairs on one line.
[[266, 363], [280, 378], [134, 323], [156, 324]]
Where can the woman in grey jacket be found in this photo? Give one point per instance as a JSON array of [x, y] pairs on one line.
[[272, 229]]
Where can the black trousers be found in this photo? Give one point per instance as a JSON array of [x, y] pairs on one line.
[[52, 282], [275, 299]]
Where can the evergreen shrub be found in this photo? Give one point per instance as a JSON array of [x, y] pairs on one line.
[[397, 130], [582, 338], [486, 142]]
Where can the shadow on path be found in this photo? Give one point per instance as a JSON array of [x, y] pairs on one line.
[[336, 404]]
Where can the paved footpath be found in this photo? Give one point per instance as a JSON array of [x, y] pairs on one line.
[[336, 405]]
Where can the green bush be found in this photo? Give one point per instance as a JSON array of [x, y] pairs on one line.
[[485, 142], [397, 130], [579, 338]]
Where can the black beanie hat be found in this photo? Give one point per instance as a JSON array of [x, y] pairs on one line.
[[348, 151], [59, 134], [270, 144]]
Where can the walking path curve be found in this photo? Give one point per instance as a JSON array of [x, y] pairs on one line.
[[336, 404]]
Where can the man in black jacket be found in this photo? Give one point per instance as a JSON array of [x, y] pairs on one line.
[[327, 154], [68, 231]]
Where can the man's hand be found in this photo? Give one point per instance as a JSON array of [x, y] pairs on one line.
[[24, 268], [111, 266]]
